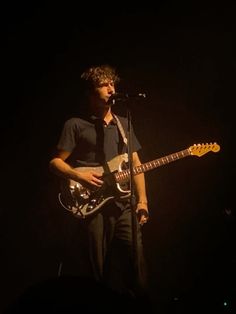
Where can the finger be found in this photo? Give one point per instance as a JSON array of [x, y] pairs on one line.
[[143, 220], [97, 174], [97, 182], [142, 215], [143, 212]]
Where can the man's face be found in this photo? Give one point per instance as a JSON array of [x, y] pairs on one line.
[[104, 90]]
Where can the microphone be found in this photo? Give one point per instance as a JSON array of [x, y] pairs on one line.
[[125, 96]]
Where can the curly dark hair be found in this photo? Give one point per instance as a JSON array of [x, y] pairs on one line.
[[96, 75]]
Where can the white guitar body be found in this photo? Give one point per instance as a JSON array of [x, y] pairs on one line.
[[83, 201]]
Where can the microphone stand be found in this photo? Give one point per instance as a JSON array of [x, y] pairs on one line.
[[132, 196]]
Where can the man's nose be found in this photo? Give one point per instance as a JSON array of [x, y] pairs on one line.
[[110, 87], [111, 90]]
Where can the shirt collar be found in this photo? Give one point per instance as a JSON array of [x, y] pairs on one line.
[[95, 118]]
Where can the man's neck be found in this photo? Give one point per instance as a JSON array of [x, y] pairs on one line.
[[106, 114]]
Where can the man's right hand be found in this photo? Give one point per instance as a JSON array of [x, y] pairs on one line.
[[90, 177]]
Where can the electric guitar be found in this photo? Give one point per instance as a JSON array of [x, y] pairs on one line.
[[84, 201]]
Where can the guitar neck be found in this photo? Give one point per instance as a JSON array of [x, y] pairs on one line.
[[150, 165]]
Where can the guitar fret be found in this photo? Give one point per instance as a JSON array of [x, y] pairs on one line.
[[125, 174], [138, 169]]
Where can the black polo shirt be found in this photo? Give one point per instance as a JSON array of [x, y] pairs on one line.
[[92, 142]]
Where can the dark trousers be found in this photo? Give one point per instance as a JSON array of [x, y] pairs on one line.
[[111, 250]]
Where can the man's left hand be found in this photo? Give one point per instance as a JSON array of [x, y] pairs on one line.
[[143, 215]]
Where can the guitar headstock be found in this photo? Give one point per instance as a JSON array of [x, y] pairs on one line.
[[201, 149]]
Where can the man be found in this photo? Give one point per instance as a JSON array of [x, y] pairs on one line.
[[89, 142]]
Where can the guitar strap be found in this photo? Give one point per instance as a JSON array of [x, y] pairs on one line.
[[121, 130], [120, 146]]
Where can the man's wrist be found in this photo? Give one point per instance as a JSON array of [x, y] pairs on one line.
[[142, 205], [143, 202]]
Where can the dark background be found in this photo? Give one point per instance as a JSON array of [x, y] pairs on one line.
[[182, 56]]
